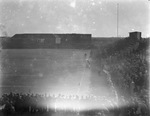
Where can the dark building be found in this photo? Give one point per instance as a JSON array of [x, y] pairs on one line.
[[35, 41], [135, 35]]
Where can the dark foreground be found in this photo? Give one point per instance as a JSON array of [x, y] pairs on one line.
[[128, 111], [37, 105]]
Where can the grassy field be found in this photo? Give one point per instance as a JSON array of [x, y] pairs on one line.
[[41, 70]]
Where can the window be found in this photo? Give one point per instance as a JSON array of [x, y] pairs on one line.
[[42, 40], [57, 39]]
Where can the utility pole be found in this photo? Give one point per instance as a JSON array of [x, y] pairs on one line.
[[117, 19]]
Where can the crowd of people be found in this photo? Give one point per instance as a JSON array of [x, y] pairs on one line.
[[15, 102], [37, 103]]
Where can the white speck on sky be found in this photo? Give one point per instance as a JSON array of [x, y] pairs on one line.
[[73, 4]]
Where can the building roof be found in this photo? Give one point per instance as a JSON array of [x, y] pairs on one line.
[[28, 35]]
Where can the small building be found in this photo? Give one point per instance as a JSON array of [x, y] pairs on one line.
[[135, 35]]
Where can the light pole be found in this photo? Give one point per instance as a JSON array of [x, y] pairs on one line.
[[117, 19]]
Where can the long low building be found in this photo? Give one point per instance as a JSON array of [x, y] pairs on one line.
[[53, 41]]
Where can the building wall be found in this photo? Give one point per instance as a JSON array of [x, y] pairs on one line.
[[135, 35], [32, 41]]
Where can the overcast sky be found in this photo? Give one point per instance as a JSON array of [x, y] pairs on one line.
[[98, 17]]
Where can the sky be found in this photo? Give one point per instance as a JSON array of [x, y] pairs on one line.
[[97, 17]]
